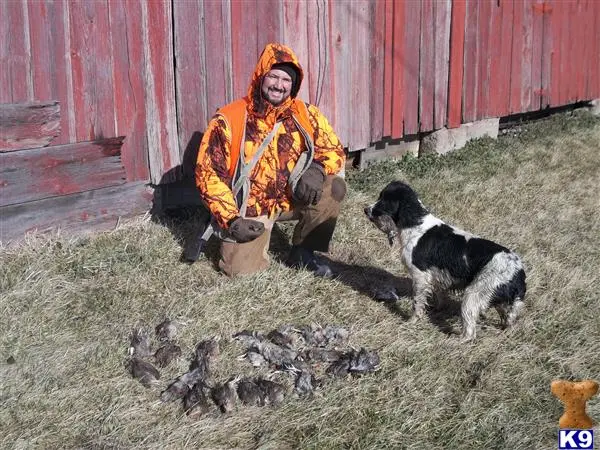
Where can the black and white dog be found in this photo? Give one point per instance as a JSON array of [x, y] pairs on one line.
[[440, 257]]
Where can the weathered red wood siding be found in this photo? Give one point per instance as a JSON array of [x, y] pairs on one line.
[[156, 71]]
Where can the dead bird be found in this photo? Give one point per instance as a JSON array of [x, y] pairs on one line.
[[166, 330], [273, 393], [143, 371], [364, 361], [336, 335], [167, 353], [224, 395], [208, 348], [248, 338], [305, 382], [195, 402], [319, 354], [206, 352], [255, 358], [140, 344], [275, 354], [181, 386], [281, 338], [339, 368], [314, 335], [250, 393], [355, 362]]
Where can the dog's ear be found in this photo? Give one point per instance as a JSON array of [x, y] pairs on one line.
[[402, 201]]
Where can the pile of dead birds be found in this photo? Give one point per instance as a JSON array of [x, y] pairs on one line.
[[306, 354]]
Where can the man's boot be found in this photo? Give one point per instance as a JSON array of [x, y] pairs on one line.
[[301, 257]]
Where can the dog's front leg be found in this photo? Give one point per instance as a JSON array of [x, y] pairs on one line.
[[473, 305], [421, 292]]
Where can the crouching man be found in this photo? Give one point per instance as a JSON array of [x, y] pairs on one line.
[[266, 157]]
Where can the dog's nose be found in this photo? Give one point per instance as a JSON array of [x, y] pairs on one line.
[[368, 210]]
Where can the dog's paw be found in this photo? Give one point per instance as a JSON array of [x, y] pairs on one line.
[[414, 319], [467, 338]]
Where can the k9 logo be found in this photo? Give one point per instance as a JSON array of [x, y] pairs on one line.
[[575, 439]]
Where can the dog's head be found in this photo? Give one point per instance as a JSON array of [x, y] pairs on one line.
[[397, 208]]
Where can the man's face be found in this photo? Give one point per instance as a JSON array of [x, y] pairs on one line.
[[276, 86]]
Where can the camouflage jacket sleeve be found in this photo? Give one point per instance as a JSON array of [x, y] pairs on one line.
[[211, 172], [328, 148]]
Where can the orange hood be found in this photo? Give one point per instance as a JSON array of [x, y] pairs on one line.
[[272, 54]]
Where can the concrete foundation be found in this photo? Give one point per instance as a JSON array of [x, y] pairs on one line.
[[448, 139], [595, 107], [390, 150]]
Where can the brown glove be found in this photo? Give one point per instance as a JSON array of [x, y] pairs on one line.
[[310, 185], [246, 230]]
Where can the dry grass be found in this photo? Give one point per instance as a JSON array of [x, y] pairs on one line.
[[69, 305]]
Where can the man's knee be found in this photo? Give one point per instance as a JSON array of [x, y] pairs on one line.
[[338, 188]]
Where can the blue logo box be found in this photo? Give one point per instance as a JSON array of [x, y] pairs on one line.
[[575, 439]]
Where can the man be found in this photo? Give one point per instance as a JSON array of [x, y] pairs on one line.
[[268, 157]]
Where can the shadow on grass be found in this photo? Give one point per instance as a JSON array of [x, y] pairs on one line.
[[373, 282]]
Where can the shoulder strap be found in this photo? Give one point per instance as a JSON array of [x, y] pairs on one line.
[[235, 115], [302, 117]]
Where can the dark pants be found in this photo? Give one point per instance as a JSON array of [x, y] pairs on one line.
[[314, 230]]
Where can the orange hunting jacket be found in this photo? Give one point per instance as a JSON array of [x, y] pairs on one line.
[[269, 190]]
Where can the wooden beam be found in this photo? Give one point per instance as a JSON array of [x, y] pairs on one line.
[[28, 125], [34, 174], [94, 210]]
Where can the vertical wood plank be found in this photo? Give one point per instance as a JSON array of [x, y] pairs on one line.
[[484, 58], [80, 16], [360, 90], [326, 92], [190, 70], [5, 79], [526, 52], [496, 70], [128, 79], [456, 64], [377, 67], [565, 57], [426, 66], [321, 69], [388, 60], [41, 39], [517, 58], [91, 70], [442, 11], [341, 48], [470, 85], [546, 57], [104, 121], [556, 53], [536, 55], [160, 92], [244, 44], [579, 49], [587, 36], [295, 35], [18, 53], [594, 84], [216, 55], [398, 69], [412, 33], [268, 23], [50, 58]]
